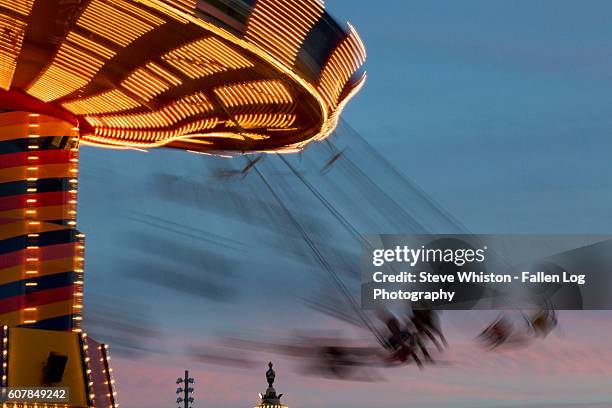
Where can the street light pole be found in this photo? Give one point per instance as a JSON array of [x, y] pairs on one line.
[[186, 399]]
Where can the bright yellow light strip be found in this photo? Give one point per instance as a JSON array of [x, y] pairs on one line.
[[265, 92], [148, 138], [111, 101], [117, 21], [11, 38], [183, 5], [20, 6], [205, 57], [345, 60], [224, 135], [75, 64], [334, 117], [172, 12], [186, 107], [280, 26], [150, 81], [265, 120]]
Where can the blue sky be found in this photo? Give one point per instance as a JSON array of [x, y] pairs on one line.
[[499, 110]]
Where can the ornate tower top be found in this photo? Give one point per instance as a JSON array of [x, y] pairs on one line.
[[270, 398]]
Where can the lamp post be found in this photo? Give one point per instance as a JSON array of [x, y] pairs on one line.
[[186, 390]]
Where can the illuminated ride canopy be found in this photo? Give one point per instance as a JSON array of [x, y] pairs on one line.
[[205, 75]]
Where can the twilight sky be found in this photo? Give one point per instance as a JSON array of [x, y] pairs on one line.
[[499, 110]]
